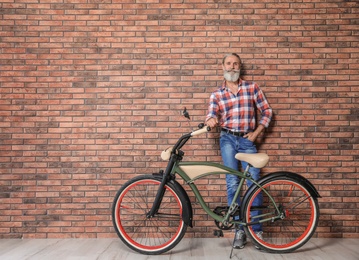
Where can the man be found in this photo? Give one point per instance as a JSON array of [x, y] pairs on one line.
[[233, 107]]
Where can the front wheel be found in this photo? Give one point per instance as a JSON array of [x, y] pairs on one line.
[[145, 235], [285, 221]]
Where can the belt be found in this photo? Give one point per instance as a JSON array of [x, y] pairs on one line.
[[233, 133]]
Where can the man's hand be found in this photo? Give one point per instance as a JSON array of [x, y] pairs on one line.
[[252, 136], [212, 122]]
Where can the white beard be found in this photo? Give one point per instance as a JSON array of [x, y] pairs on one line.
[[231, 77]]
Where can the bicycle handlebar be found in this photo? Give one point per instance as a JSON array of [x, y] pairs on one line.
[[203, 130], [166, 154]]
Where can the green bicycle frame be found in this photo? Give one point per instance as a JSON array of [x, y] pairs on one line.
[[192, 171]]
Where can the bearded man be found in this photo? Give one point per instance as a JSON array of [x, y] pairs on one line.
[[233, 108]]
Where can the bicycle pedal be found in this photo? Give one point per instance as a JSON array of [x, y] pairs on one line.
[[218, 233]]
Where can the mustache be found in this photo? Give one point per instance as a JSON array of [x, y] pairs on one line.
[[232, 71]]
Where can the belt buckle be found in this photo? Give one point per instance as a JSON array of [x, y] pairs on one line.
[[239, 134], [234, 133]]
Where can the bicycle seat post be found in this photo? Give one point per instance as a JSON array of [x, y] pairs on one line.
[[246, 171]]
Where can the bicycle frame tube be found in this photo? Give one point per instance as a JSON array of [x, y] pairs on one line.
[[192, 171]]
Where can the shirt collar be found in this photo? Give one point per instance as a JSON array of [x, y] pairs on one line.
[[224, 86]]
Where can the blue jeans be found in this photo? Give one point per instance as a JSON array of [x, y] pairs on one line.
[[231, 145]]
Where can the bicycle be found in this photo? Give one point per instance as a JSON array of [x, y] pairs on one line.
[[151, 213]]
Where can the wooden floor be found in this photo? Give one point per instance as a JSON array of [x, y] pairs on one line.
[[188, 248]]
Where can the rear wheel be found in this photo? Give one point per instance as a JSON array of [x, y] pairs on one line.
[[287, 227], [145, 235]]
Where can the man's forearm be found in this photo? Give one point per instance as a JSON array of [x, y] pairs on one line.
[[259, 129]]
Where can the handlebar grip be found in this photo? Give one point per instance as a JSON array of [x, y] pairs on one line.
[[203, 130]]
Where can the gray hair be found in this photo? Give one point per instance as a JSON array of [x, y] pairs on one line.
[[231, 54]]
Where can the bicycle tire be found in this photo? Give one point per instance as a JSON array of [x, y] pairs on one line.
[[145, 235], [300, 215]]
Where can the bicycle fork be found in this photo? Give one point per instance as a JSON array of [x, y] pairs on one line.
[[161, 190]]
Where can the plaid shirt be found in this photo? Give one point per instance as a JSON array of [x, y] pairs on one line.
[[237, 112]]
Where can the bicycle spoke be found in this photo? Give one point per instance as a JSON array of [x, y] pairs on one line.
[[288, 223], [300, 202], [159, 233]]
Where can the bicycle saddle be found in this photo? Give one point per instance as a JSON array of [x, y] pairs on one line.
[[257, 160]]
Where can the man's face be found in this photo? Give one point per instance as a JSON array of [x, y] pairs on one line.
[[231, 68]]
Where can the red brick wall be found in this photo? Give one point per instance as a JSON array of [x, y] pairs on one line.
[[92, 91]]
